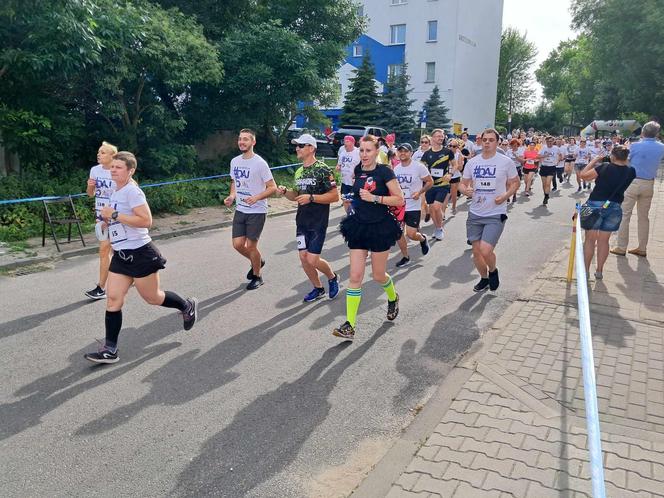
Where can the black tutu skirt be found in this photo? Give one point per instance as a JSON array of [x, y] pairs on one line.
[[374, 237]]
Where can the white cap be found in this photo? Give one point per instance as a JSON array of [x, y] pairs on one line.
[[305, 138]]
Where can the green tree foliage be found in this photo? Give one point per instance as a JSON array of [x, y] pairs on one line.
[[628, 48], [396, 113], [436, 111], [361, 101], [517, 56]]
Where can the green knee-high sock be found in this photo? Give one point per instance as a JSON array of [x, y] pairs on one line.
[[389, 289], [353, 298]]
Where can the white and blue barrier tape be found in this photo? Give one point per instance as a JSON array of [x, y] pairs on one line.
[[588, 364], [148, 185]]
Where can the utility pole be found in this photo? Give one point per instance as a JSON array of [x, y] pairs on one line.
[[509, 111]]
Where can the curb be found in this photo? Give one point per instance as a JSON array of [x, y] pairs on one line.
[[380, 479], [93, 249]]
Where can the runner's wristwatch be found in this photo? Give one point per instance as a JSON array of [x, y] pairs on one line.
[[311, 197], [114, 215]]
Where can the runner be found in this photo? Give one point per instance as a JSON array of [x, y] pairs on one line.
[[251, 184], [315, 190], [371, 227], [490, 179], [550, 156], [515, 153], [560, 166], [348, 159], [570, 157], [414, 180], [456, 145], [425, 145], [582, 157], [136, 259], [101, 186], [467, 143], [530, 165], [438, 159]]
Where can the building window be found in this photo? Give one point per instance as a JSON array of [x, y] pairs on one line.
[[431, 72], [399, 2], [357, 50], [398, 34], [432, 31], [394, 70]]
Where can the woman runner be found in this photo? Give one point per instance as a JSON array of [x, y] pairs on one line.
[[371, 227], [136, 260]]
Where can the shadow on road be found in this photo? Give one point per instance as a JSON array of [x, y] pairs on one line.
[[236, 460], [29, 322]]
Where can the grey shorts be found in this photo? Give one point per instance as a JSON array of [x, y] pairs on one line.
[[248, 225], [486, 228]]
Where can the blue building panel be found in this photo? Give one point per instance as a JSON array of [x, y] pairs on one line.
[[381, 55]]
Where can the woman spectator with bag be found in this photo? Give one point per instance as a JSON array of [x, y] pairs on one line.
[[601, 214]]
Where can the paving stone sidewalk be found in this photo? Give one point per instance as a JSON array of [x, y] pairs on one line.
[[517, 425]]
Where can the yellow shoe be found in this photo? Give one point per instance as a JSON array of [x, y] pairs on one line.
[[638, 252], [618, 251]]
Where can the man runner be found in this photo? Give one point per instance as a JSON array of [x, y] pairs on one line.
[[315, 190], [438, 159], [550, 157], [251, 184], [489, 179], [348, 158], [415, 180]]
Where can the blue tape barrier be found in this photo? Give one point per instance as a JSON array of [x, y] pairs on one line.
[[160, 184], [588, 364]]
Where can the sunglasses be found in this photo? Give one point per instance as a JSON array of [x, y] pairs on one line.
[[301, 146], [424, 142]]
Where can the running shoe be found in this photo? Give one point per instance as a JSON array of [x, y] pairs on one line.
[[250, 273], [425, 245], [454, 211], [513, 198], [333, 286], [404, 261], [483, 284], [589, 186], [494, 282], [255, 283], [554, 189], [578, 189], [345, 331], [104, 355], [526, 193], [546, 200], [427, 218], [315, 294], [598, 275], [439, 234], [191, 314], [393, 309], [96, 293]]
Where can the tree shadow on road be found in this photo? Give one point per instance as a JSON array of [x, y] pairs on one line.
[[29, 322], [266, 436], [450, 336]]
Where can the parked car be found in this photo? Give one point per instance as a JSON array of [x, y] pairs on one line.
[[356, 131], [323, 148]]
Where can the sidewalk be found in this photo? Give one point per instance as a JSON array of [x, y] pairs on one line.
[[164, 226], [511, 419]]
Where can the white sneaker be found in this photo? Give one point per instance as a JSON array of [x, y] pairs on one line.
[[439, 234]]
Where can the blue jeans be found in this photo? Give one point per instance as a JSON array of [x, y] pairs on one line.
[[610, 217]]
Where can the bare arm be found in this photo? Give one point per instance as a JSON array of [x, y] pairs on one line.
[[141, 217], [588, 173], [394, 199]]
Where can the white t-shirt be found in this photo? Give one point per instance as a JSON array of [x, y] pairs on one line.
[[250, 176], [348, 161], [124, 236], [571, 150], [417, 155], [410, 179], [104, 187], [459, 160], [489, 178], [513, 156], [583, 155], [549, 155]]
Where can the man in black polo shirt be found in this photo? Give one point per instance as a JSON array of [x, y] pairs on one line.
[[439, 160]]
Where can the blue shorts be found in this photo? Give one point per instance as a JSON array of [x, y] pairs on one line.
[[610, 217], [311, 239], [346, 189], [437, 194]]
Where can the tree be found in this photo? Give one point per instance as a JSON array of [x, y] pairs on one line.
[[361, 101], [517, 56], [396, 113], [436, 111]]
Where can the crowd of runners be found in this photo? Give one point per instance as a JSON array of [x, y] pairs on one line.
[[389, 192]]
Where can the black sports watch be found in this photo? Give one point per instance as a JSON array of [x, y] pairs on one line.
[[114, 215], [311, 197]]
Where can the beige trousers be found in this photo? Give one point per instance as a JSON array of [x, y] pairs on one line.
[[639, 193]]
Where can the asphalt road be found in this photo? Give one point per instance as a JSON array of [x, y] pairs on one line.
[[259, 399]]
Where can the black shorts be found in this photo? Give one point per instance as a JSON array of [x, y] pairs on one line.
[[248, 225], [455, 180], [519, 171], [310, 239], [346, 189], [529, 170], [412, 218], [437, 194], [547, 171], [137, 263]]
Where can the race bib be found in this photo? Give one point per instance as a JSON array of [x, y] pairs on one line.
[[301, 242], [117, 232], [485, 184], [240, 198], [406, 192], [437, 172], [101, 203]]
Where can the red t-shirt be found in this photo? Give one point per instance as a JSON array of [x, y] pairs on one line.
[[531, 157]]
